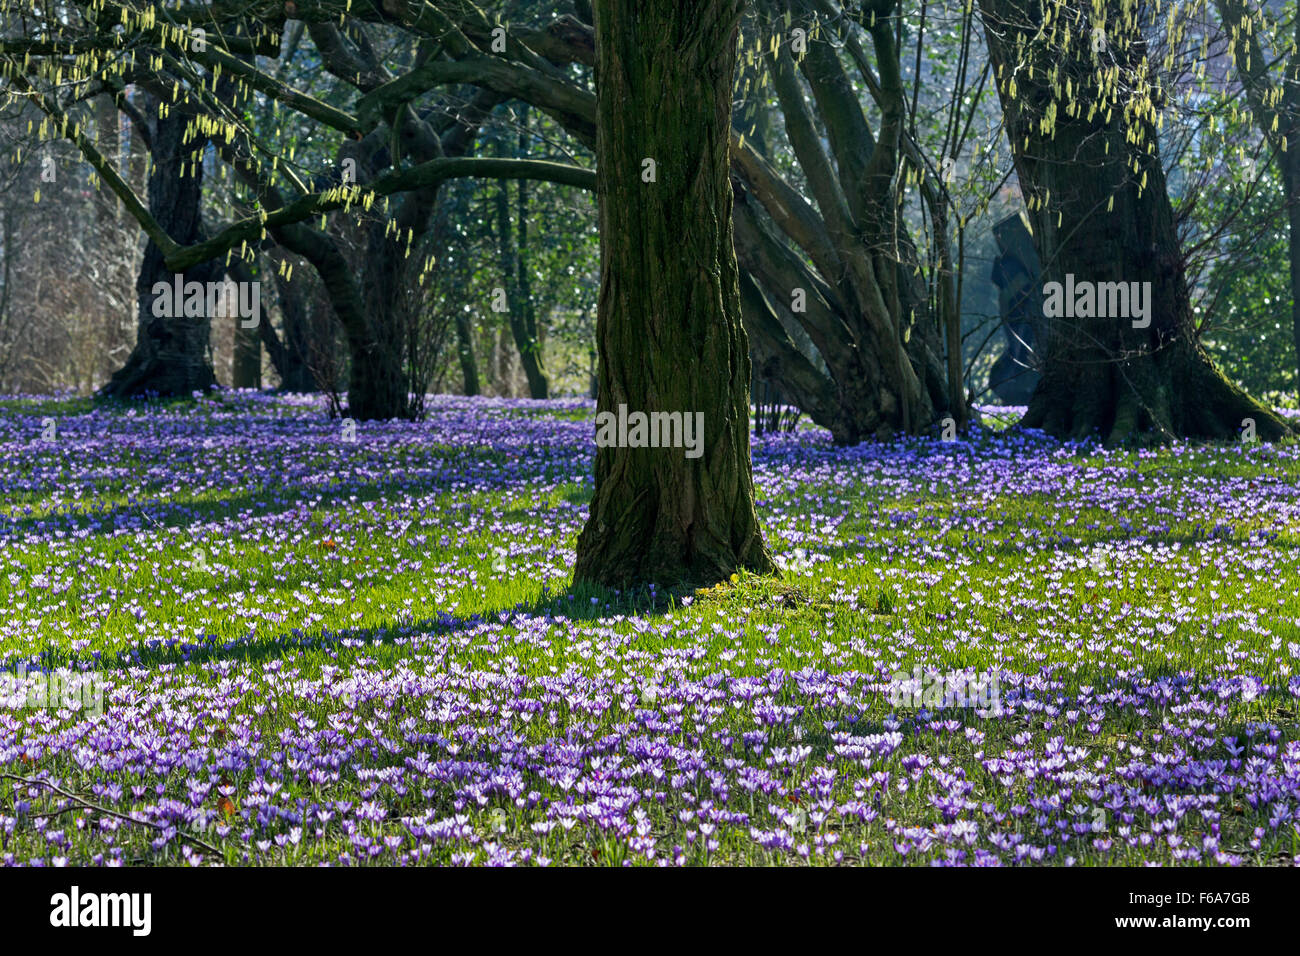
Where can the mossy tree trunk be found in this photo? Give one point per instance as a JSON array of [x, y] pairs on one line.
[[669, 329]]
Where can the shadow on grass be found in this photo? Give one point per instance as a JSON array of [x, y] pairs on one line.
[[264, 501], [577, 603]]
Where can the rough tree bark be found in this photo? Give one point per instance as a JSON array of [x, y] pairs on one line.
[[669, 329], [1095, 187]]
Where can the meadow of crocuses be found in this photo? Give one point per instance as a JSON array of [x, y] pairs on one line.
[[314, 650]]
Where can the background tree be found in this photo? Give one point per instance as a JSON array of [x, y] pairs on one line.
[[171, 355], [1081, 98], [1265, 49]]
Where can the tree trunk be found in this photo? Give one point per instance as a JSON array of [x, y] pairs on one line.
[[669, 329], [1100, 211], [1272, 88], [1290, 162], [289, 358], [384, 339], [378, 379], [376, 384], [465, 350], [522, 315], [292, 358], [246, 364], [780, 362], [500, 370], [171, 353]]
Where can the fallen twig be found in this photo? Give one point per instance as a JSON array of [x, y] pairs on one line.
[[87, 805]]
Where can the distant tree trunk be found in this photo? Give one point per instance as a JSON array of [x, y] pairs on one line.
[[379, 382], [108, 141], [383, 340], [288, 358], [246, 365], [669, 328], [500, 369], [120, 243], [512, 245], [1275, 106], [465, 351], [853, 286], [539, 383], [291, 358], [1103, 376], [171, 353], [1290, 161]]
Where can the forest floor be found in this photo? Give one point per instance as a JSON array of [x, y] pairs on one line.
[[314, 650]]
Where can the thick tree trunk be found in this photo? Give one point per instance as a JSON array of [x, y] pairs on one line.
[[171, 353], [376, 383], [669, 329], [1100, 212]]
